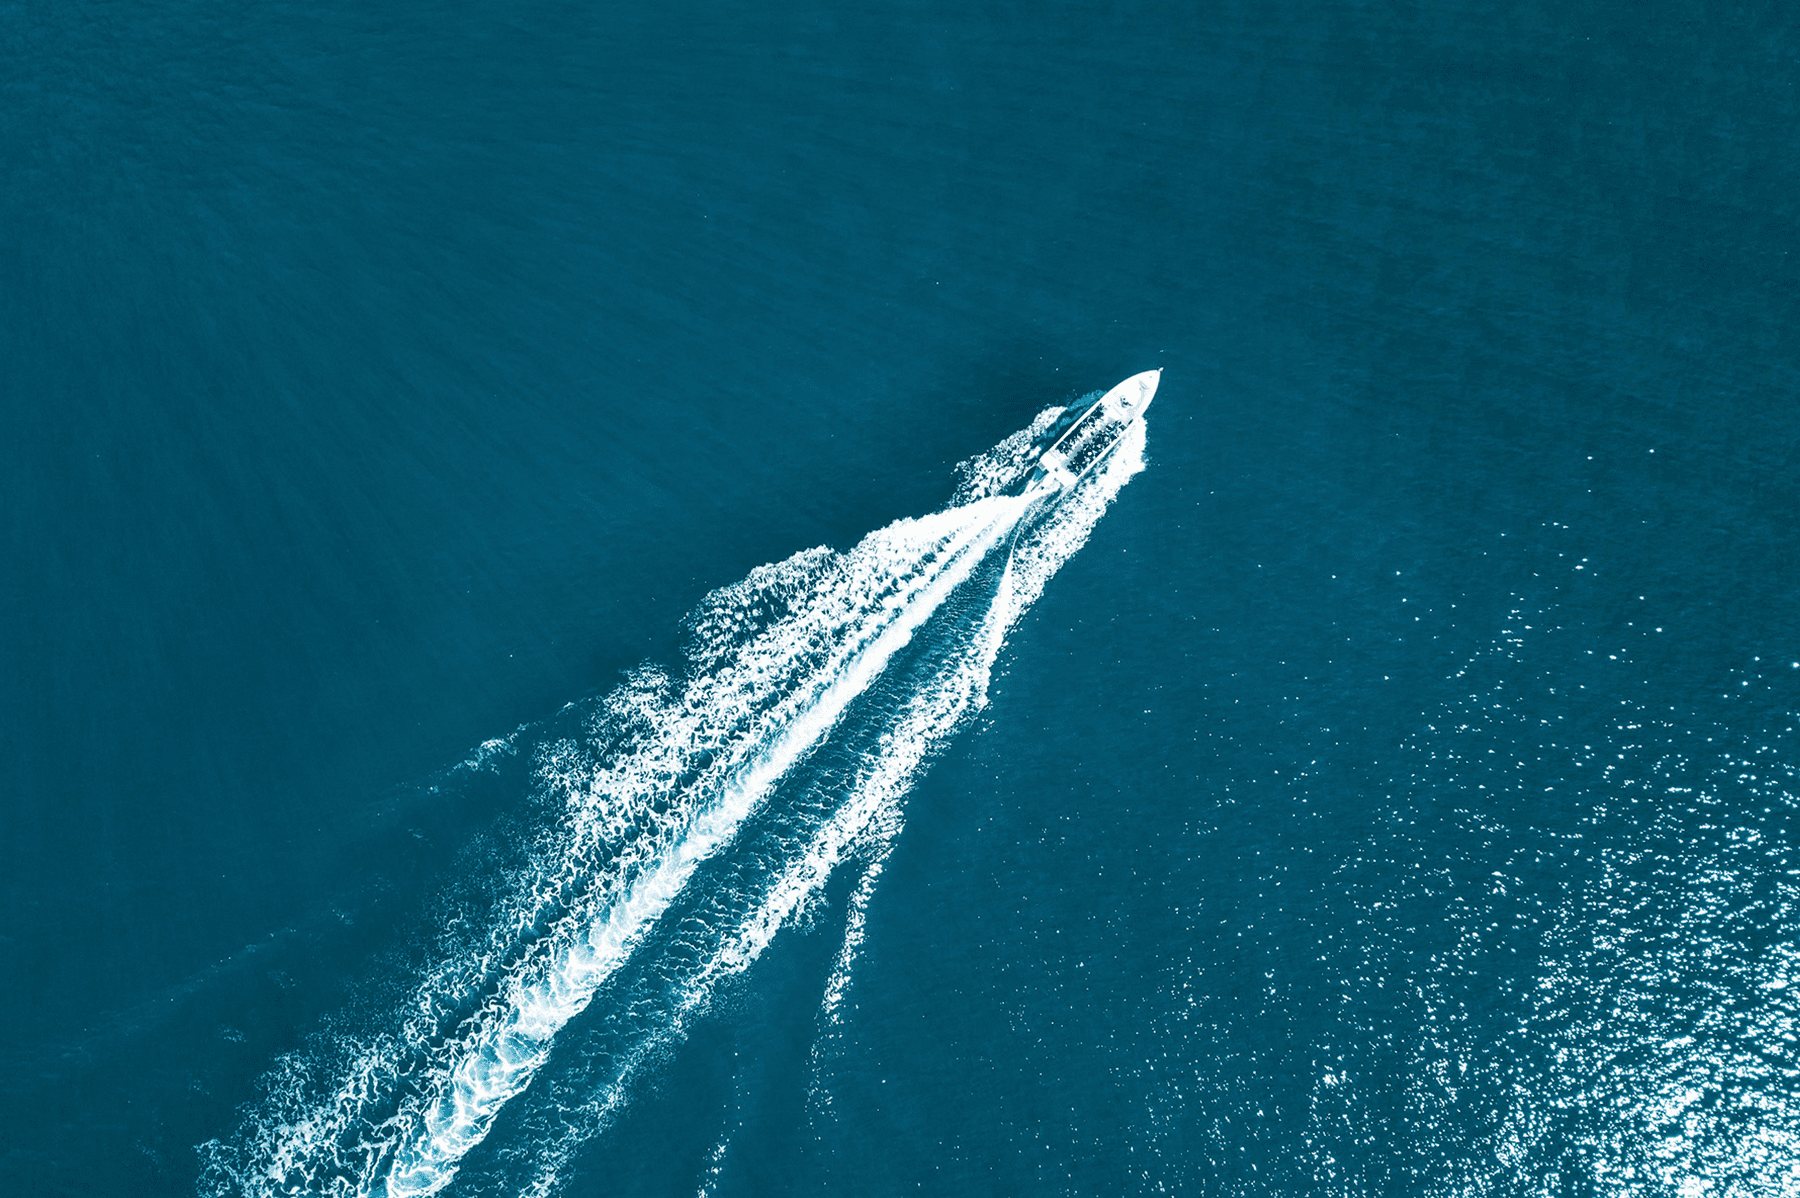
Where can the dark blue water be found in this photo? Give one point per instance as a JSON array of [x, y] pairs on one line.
[[1395, 792]]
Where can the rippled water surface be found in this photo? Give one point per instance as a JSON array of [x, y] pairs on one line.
[[505, 689]]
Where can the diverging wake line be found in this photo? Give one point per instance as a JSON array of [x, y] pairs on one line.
[[696, 815]]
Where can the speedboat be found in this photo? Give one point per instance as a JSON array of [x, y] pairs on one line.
[[1081, 438]]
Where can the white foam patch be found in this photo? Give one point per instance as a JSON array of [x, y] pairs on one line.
[[669, 772]]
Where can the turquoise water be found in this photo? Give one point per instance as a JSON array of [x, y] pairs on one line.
[[412, 415]]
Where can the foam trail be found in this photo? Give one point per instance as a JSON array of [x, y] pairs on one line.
[[864, 826], [660, 778], [873, 807], [500, 1062]]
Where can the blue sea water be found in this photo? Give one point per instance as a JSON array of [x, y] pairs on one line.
[[412, 416]]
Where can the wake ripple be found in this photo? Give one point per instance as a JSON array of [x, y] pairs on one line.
[[657, 860]]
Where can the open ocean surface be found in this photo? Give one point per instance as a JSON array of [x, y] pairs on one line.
[[502, 693]]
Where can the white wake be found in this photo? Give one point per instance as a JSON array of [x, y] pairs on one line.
[[670, 772]]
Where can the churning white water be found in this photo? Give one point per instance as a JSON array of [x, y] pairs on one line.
[[671, 772]]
